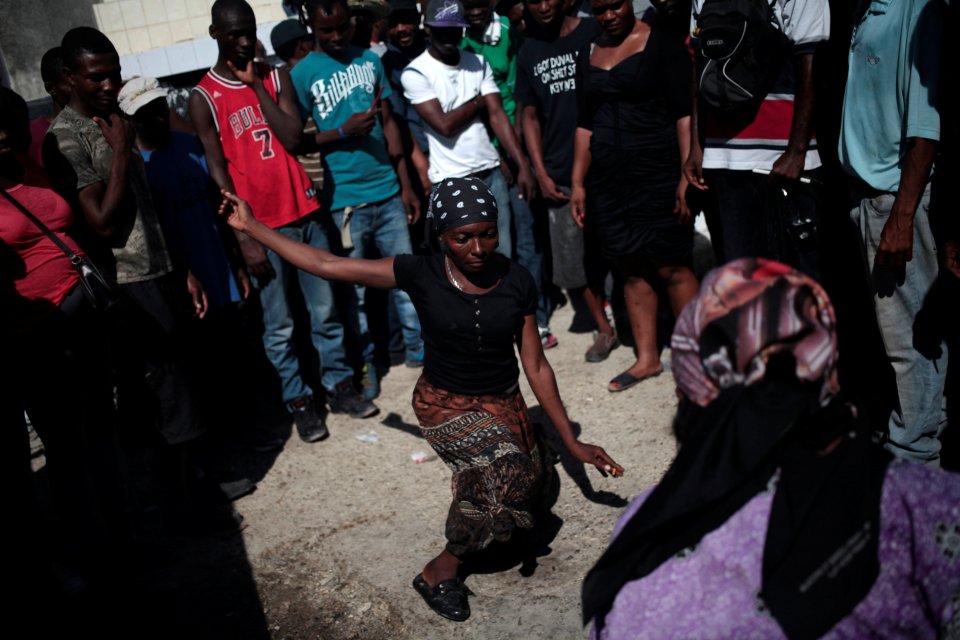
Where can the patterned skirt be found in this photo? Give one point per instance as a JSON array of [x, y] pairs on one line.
[[490, 445]]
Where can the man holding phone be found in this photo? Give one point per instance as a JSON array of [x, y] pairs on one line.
[[366, 188]]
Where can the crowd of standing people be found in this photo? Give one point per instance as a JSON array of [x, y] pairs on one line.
[[484, 163]]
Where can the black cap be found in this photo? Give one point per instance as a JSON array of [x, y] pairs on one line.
[[286, 32], [379, 8], [445, 13], [404, 5]]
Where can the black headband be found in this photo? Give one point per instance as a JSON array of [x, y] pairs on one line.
[[456, 202]]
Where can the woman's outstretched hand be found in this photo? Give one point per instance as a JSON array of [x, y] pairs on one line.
[[235, 211], [592, 454]]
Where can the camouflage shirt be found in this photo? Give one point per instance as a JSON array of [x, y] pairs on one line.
[[137, 243]]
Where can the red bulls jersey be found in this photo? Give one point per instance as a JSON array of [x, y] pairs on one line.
[[264, 174]]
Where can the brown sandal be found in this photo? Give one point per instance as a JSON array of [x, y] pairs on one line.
[[602, 347]]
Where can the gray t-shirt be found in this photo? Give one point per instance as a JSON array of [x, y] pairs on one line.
[[137, 245]]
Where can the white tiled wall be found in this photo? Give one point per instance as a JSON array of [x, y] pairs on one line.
[[177, 9], [180, 57], [139, 26], [109, 17], [132, 12]]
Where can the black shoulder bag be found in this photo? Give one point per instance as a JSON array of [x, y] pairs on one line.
[[100, 291]]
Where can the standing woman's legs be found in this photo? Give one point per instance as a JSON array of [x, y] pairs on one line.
[[596, 268], [641, 300], [594, 296], [681, 285]]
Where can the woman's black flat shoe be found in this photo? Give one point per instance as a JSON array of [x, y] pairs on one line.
[[448, 598]]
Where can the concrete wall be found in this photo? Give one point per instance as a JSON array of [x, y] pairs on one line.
[[28, 28], [136, 26], [183, 57], [162, 33]]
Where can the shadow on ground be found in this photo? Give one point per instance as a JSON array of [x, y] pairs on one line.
[[575, 469]]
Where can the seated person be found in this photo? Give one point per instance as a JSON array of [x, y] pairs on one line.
[[780, 517]]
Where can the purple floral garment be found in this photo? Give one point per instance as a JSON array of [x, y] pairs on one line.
[[710, 591]]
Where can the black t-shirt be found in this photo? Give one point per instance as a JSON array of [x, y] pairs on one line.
[[546, 79], [468, 339]]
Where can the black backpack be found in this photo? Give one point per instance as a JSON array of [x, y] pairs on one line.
[[740, 50]]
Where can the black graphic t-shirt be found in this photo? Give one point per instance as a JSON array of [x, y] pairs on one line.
[[546, 79]]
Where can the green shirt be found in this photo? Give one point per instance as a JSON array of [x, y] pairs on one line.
[[502, 58]]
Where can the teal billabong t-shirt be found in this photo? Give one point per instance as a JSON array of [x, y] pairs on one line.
[[332, 89]]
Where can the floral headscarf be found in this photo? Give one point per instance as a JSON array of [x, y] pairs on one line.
[[747, 311]]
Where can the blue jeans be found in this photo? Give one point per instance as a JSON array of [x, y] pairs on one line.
[[326, 330], [498, 188], [898, 295], [529, 250], [383, 226]]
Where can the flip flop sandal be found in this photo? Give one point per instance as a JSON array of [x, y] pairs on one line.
[[448, 598], [626, 380]]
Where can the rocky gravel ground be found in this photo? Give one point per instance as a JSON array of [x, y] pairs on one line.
[[337, 530]]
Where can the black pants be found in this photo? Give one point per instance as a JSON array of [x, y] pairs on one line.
[[57, 371], [750, 216], [153, 385]]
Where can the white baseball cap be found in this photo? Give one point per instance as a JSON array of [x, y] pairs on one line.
[[139, 92]]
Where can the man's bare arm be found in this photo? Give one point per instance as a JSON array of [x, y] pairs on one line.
[[503, 129], [202, 118], [282, 115], [532, 135], [100, 202], [391, 133], [896, 239], [448, 124], [789, 165]]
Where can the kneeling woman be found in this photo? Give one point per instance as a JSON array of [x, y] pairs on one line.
[[473, 304]]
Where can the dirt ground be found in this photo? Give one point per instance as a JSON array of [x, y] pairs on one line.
[[337, 530]]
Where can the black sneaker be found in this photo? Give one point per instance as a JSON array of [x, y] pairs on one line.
[[345, 399], [236, 489], [310, 424]]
